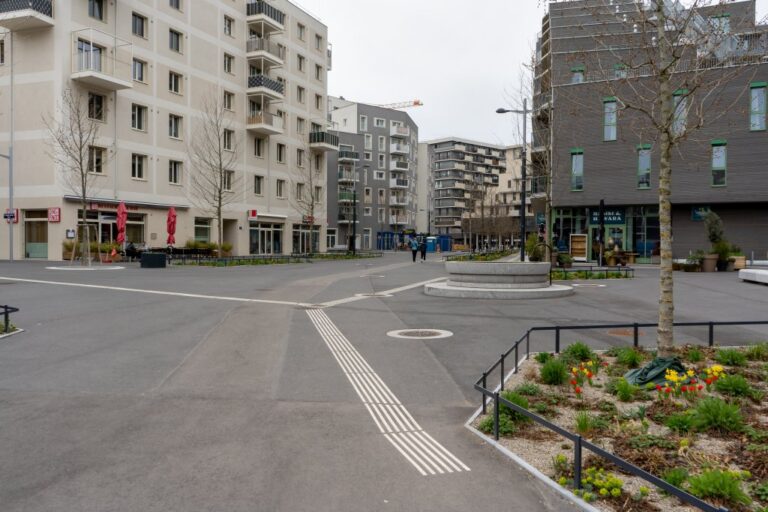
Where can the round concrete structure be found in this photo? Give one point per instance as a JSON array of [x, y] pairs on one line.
[[497, 280]]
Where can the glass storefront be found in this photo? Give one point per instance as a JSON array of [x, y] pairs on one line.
[[102, 227], [306, 239], [36, 234], [266, 238]]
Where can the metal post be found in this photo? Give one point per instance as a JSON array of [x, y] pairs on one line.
[[528, 344], [496, 416], [7, 328], [354, 220], [557, 340], [484, 387], [711, 334], [636, 335], [516, 358], [577, 463], [523, 180], [501, 386]]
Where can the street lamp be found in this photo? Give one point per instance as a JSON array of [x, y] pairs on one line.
[[9, 157], [523, 176]]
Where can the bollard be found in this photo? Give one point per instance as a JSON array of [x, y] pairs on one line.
[[516, 359], [711, 334], [484, 387], [636, 335], [496, 416], [557, 340], [501, 385], [577, 463], [7, 321]]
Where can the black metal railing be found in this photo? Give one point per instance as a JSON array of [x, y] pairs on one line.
[[350, 155], [265, 81], [579, 444], [42, 6], [261, 7], [323, 138], [7, 310]]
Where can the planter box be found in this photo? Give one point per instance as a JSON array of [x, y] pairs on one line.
[[709, 263], [739, 262]]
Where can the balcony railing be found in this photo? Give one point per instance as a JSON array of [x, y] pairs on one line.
[[398, 201], [265, 81], [349, 155], [346, 196], [42, 6], [261, 7], [399, 165], [265, 118], [259, 44], [400, 131], [347, 176], [399, 148], [324, 138], [101, 59], [398, 182], [398, 219]]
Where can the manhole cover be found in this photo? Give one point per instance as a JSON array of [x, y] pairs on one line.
[[625, 332], [420, 334]]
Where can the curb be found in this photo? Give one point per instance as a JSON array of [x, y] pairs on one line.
[[17, 331]]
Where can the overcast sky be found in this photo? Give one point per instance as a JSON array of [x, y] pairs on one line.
[[462, 59]]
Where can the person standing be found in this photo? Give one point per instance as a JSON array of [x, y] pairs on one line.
[[423, 248], [414, 248]]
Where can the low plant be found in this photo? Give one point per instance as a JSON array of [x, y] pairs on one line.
[[645, 441], [675, 476], [543, 357], [541, 408], [579, 352], [602, 483], [695, 355], [730, 357], [528, 389], [586, 423], [682, 422], [715, 414], [734, 385], [561, 465], [757, 352], [629, 357], [625, 391], [761, 491], [554, 372], [722, 485], [506, 426], [517, 399]]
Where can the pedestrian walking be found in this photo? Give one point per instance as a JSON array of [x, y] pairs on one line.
[[414, 248], [423, 249]]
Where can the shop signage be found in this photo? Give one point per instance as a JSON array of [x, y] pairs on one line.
[[70, 234], [253, 214], [541, 218], [612, 216], [699, 212], [307, 219], [11, 215], [54, 214], [111, 206]]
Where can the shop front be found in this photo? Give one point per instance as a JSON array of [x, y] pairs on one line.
[[306, 238]]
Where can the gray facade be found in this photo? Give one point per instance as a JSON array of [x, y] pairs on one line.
[[570, 126], [382, 172]]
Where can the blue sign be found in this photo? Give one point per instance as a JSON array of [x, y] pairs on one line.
[[541, 218], [699, 212], [612, 216]]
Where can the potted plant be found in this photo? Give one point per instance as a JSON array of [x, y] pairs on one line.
[[67, 246], [737, 260], [714, 227], [723, 250], [226, 249], [693, 262], [532, 248], [610, 258], [565, 260]]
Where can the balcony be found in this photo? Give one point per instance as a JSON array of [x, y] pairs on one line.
[[330, 57], [347, 218], [398, 201], [400, 131], [447, 222], [26, 14], [346, 197], [323, 141], [348, 156], [268, 17], [263, 49], [398, 183], [399, 165], [400, 149], [262, 85], [264, 123], [398, 220], [101, 60], [346, 176]]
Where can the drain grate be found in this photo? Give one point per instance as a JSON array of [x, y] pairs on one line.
[[420, 334]]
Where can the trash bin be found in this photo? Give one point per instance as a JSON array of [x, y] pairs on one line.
[[152, 260]]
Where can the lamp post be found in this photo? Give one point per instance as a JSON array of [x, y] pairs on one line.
[[9, 157], [523, 176]]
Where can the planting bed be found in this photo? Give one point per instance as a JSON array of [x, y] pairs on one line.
[[703, 429]]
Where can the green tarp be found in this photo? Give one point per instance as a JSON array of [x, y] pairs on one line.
[[654, 371]]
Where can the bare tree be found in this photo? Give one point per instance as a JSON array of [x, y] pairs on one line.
[[213, 153], [74, 131], [667, 69], [307, 184]]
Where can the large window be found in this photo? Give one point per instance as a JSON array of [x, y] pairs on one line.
[[96, 159], [96, 106], [139, 25], [266, 238], [577, 74], [644, 166], [228, 25], [757, 106], [138, 70], [330, 238], [306, 239], [96, 9], [680, 99], [138, 164], [174, 172], [174, 40], [174, 82], [174, 126], [719, 163], [577, 169], [609, 119], [202, 229], [138, 117]]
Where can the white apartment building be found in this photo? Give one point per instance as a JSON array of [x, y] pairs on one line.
[[145, 69]]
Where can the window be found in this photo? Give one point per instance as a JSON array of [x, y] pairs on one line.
[[367, 211], [379, 122], [281, 153], [299, 158], [229, 178], [368, 143], [330, 237], [138, 117], [95, 159], [382, 143], [174, 126], [138, 163], [318, 72], [258, 185], [2, 52], [174, 40], [382, 196], [229, 62], [175, 4], [367, 194], [318, 42], [174, 172], [719, 162], [318, 161], [300, 94], [680, 99], [280, 189], [258, 147], [228, 24], [138, 70], [609, 119], [229, 100], [363, 123], [299, 191], [619, 71], [300, 125], [301, 31], [577, 169], [757, 106], [174, 82], [139, 25], [577, 74], [318, 102], [318, 194], [721, 24], [368, 156], [202, 229], [228, 137], [379, 175], [382, 161], [96, 106], [644, 166], [96, 9], [301, 62]]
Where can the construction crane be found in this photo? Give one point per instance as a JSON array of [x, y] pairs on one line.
[[402, 105]]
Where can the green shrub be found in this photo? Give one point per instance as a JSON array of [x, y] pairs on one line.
[[625, 391], [730, 357], [682, 422], [517, 399], [586, 423], [578, 352], [734, 385], [645, 441], [541, 408], [715, 414], [506, 425], [695, 355], [554, 372], [528, 389], [543, 357], [675, 476], [757, 352], [629, 357], [723, 485], [761, 491]]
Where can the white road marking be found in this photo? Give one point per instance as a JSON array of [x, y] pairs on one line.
[[391, 418], [382, 293]]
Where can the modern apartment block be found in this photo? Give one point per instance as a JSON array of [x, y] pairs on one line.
[[597, 151], [145, 71], [463, 172], [378, 159]]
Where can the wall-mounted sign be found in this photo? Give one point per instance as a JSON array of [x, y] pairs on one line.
[[699, 212], [70, 234], [111, 206], [612, 216], [11, 215], [307, 219], [253, 214], [54, 214]]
